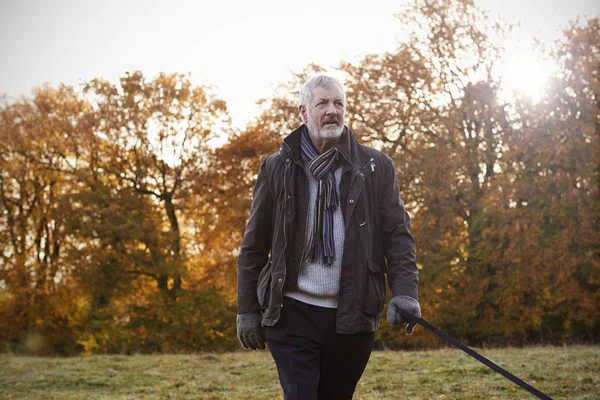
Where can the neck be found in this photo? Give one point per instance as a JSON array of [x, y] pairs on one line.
[[322, 145]]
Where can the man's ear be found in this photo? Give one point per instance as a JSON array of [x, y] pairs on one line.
[[302, 111]]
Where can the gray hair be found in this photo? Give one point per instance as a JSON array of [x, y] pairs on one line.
[[320, 80]]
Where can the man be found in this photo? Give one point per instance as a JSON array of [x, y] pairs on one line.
[[326, 225]]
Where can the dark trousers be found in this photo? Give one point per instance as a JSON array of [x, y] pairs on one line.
[[313, 361]]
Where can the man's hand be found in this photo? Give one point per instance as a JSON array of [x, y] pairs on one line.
[[250, 332], [406, 304]]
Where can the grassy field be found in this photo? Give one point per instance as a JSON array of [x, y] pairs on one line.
[[560, 372]]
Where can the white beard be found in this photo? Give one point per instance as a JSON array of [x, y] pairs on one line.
[[330, 133], [327, 133]]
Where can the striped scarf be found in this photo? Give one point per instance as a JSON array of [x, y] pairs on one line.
[[321, 167]]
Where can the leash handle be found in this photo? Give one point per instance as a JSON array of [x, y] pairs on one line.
[[476, 355]]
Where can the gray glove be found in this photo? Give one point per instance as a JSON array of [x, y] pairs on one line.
[[250, 332], [406, 304]]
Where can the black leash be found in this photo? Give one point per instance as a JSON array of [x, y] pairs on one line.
[[477, 356]]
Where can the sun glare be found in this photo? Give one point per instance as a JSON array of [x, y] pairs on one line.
[[526, 75]]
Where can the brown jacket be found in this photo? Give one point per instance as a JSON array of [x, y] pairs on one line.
[[377, 238]]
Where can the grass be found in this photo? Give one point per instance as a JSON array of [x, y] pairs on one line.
[[560, 372]]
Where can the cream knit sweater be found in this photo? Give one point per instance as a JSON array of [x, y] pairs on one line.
[[319, 283]]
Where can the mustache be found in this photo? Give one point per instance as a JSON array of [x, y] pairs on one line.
[[330, 121]]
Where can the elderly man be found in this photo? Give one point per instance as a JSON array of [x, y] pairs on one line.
[[326, 225]]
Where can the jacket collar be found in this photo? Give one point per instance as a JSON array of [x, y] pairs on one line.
[[350, 149]]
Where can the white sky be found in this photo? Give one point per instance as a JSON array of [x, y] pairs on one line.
[[241, 47]]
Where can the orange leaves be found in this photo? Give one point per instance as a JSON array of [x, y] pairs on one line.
[[119, 216]]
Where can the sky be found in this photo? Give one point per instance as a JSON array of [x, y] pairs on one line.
[[242, 48]]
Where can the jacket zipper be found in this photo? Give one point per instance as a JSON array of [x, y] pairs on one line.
[[284, 230], [305, 224], [360, 171], [285, 233], [372, 165]]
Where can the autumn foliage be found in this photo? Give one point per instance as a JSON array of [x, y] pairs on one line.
[[121, 214]]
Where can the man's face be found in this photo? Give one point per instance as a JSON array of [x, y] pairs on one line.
[[325, 114]]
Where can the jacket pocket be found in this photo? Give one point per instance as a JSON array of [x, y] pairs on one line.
[[263, 285], [374, 298]]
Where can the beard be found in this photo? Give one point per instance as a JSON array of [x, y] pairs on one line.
[[330, 129]]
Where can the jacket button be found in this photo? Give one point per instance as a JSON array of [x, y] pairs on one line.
[[287, 160], [279, 280], [351, 201], [289, 197]]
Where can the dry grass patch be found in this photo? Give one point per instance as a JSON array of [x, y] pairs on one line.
[[560, 372]]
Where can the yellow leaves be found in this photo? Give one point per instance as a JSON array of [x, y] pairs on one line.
[[89, 344], [496, 197], [170, 283]]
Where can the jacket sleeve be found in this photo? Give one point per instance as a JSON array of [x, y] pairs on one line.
[[398, 243], [256, 244]]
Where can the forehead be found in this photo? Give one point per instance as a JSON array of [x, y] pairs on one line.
[[332, 92]]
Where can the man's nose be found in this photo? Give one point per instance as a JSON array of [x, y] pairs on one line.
[[330, 110]]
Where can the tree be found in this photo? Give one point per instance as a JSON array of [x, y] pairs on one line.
[[157, 137], [98, 198], [545, 218], [34, 274]]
